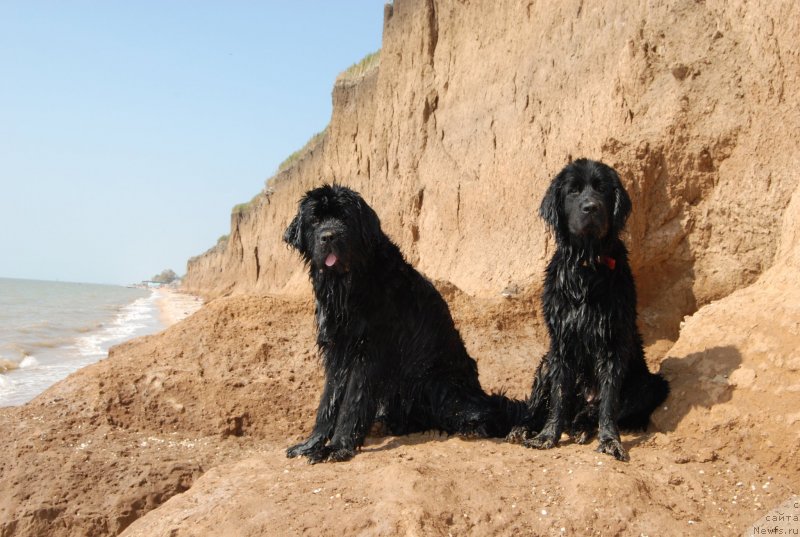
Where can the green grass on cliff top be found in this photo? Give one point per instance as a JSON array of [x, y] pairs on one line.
[[294, 157], [244, 207], [352, 73], [358, 69]]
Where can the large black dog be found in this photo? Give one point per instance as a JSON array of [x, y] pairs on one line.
[[594, 374], [388, 343]]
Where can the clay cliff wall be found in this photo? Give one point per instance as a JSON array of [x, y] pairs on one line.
[[476, 105]]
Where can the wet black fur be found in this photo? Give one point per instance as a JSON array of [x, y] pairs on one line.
[[388, 343], [594, 375]]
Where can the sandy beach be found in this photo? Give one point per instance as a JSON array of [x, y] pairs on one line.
[[174, 306]]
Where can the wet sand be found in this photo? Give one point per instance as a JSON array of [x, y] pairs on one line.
[[175, 306]]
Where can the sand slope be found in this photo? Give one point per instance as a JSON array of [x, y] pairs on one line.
[[204, 411]]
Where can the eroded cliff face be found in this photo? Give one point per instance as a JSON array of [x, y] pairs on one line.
[[476, 105]]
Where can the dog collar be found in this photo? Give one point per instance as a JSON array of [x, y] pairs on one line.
[[610, 262]]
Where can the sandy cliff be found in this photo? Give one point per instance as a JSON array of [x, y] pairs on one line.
[[475, 106], [452, 139]]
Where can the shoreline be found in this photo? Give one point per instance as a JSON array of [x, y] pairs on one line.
[[174, 306], [46, 358]]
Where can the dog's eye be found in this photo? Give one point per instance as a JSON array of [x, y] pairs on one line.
[[599, 186], [574, 189]]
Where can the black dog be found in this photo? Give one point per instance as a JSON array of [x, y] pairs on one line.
[[387, 340], [594, 373]]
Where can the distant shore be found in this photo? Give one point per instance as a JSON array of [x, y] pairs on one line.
[[174, 306]]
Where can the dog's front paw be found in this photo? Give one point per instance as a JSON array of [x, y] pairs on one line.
[[541, 441], [303, 448], [582, 437], [613, 447], [519, 434], [583, 429], [330, 454], [319, 455], [341, 455], [582, 433], [379, 429], [472, 431], [295, 451]]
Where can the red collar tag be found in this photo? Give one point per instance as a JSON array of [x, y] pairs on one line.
[[610, 262]]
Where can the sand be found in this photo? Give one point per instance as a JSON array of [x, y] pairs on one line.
[[184, 432], [174, 306]]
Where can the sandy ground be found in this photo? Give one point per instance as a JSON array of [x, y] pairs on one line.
[[184, 433], [174, 306]]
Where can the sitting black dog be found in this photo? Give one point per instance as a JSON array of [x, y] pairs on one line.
[[594, 374], [388, 343]]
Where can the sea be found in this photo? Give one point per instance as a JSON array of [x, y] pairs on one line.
[[51, 329]]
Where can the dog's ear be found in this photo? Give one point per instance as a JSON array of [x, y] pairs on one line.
[[622, 202], [371, 232], [293, 236], [369, 225], [551, 210]]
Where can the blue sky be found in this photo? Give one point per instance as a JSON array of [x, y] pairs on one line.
[[128, 130]]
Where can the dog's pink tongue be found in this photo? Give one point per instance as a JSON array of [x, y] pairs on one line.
[[331, 260]]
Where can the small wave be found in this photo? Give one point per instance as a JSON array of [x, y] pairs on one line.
[[56, 336], [18, 350], [130, 319], [28, 362], [7, 365], [87, 329], [49, 344], [45, 352], [6, 384], [37, 328]]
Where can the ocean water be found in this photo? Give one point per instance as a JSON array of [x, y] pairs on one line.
[[51, 329]]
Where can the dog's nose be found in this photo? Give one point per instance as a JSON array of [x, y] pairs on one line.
[[325, 236], [589, 207]]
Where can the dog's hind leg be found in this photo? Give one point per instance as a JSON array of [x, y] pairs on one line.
[[640, 397], [475, 415], [506, 415], [454, 408]]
